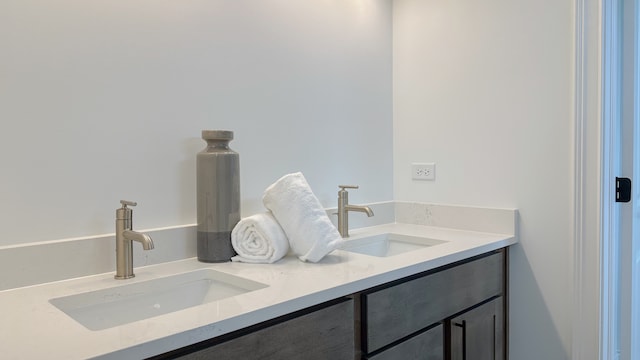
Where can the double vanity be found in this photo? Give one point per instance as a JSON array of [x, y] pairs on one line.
[[433, 281]]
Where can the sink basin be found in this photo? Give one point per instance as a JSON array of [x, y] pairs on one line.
[[106, 308], [388, 244]]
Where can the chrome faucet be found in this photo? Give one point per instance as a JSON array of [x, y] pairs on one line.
[[344, 208], [124, 241]]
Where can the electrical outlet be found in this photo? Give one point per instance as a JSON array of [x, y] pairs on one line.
[[424, 171]]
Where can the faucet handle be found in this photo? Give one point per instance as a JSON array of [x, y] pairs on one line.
[[343, 187], [127, 202]]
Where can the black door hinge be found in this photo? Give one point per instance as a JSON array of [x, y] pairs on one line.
[[623, 189]]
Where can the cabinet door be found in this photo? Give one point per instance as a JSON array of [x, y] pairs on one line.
[[428, 345], [327, 333], [478, 334]]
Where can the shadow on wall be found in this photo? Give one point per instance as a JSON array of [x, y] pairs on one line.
[[532, 331], [187, 175]]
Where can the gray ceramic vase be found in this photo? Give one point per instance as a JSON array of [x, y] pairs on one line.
[[218, 196]]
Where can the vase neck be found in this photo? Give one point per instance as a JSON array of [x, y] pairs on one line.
[[218, 144]]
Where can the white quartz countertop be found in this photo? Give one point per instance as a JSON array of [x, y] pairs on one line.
[[32, 328]]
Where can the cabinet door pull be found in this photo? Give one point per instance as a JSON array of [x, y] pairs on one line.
[[494, 337], [463, 325]]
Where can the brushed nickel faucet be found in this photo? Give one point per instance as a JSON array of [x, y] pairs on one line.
[[124, 241], [344, 208]]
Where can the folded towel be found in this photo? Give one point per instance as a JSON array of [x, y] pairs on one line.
[[259, 239], [311, 234]]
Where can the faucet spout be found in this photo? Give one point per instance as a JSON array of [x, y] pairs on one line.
[[147, 242], [364, 209]]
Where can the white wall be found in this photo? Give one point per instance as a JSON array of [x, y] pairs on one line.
[[484, 90], [105, 100]]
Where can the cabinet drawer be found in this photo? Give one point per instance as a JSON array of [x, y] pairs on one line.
[[400, 310], [327, 333], [428, 345]]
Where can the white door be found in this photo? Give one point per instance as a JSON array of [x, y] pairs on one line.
[[629, 167], [607, 233]]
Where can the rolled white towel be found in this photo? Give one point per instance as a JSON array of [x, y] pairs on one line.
[[259, 239], [311, 234]]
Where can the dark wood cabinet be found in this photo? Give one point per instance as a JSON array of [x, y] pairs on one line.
[[397, 317]]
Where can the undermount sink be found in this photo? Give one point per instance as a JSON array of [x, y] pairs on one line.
[[388, 244], [106, 308]]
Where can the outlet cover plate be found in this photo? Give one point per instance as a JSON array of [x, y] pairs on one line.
[[423, 171]]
